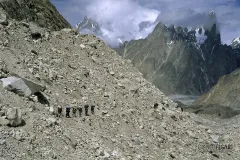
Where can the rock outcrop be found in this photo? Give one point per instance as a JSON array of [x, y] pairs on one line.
[[14, 116]]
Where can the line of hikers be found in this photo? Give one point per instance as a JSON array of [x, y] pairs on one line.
[[75, 109]]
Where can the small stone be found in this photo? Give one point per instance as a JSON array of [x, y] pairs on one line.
[[2, 113], [3, 19], [51, 110], [215, 138], [3, 121], [2, 142], [136, 140], [106, 94], [82, 46], [18, 135], [35, 99], [94, 59], [46, 36], [209, 131], [14, 116], [191, 134], [52, 155], [116, 154], [32, 108], [106, 154], [72, 139], [215, 155], [67, 30], [129, 61], [37, 76], [51, 121], [6, 43], [104, 112], [112, 73], [172, 155]]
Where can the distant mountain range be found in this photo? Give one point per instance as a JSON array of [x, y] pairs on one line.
[[178, 60]]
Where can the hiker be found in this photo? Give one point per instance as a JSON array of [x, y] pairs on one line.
[[80, 111], [92, 109], [74, 111], [59, 108], [68, 111], [86, 109]]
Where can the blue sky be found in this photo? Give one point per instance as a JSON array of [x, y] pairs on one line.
[[122, 17]]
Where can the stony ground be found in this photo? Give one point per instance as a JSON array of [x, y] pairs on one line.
[[132, 119]]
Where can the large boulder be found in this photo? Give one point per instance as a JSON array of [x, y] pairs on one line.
[[3, 121], [3, 19], [14, 116], [21, 86]]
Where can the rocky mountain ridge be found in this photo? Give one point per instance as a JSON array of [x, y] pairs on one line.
[[89, 26], [222, 100], [174, 60]]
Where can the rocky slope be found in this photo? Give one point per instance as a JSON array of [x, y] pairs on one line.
[[182, 61], [222, 100], [42, 12], [132, 118]]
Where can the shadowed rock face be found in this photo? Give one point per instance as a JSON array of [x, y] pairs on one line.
[[41, 12], [172, 59], [224, 93], [222, 100]]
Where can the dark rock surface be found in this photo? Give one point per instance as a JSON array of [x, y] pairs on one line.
[[223, 99]]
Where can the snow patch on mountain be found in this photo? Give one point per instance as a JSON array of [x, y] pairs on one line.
[[200, 35], [236, 43]]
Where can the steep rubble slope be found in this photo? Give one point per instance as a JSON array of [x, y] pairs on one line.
[[132, 120], [42, 12], [181, 61]]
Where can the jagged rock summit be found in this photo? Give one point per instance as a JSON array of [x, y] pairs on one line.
[[132, 119], [88, 25]]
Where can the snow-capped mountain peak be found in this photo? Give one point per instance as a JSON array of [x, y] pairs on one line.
[[88, 25]]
